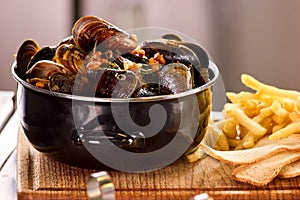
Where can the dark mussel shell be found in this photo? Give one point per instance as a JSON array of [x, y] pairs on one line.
[[173, 79], [176, 77], [67, 40], [44, 69], [198, 71], [107, 83], [197, 49], [24, 55], [200, 53], [171, 36], [70, 56], [45, 53], [173, 53], [151, 89], [91, 31]]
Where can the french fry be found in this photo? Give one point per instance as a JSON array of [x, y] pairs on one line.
[[286, 131], [233, 142], [237, 97], [264, 113], [268, 89], [229, 128], [297, 105], [232, 97], [267, 124], [277, 127], [242, 131], [248, 141], [294, 116], [216, 138], [222, 143], [248, 123], [278, 119]]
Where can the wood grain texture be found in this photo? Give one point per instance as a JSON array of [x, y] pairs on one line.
[[39, 177]]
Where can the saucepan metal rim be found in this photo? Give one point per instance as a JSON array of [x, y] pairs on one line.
[[212, 67]]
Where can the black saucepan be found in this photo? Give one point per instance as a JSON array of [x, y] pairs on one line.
[[68, 127]]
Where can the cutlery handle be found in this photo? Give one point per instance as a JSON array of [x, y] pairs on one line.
[[202, 196], [100, 187]]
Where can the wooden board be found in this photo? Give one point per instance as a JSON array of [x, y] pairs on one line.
[[39, 177]]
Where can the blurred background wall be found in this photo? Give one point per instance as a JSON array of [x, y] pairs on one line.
[[256, 37]]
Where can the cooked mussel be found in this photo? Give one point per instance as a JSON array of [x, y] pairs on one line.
[[70, 56], [175, 77], [67, 40], [44, 69], [39, 74], [177, 51], [198, 50], [172, 52], [108, 83], [25, 52], [45, 53], [90, 31], [151, 89]]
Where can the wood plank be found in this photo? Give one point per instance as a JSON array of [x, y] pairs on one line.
[[39, 177]]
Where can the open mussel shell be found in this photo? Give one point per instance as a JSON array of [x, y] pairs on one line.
[[177, 51], [173, 78], [44, 69], [150, 90], [25, 52], [108, 83], [196, 48], [67, 40], [45, 53], [90, 31], [70, 56], [176, 77], [199, 51], [172, 52]]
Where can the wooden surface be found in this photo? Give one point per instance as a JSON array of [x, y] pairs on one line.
[[39, 177]]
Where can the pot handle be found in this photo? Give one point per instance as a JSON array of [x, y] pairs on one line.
[[132, 142]]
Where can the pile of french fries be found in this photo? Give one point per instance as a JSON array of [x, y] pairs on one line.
[[263, 127], [269, 111]]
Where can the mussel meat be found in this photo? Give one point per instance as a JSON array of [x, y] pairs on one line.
[[63, 83]]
